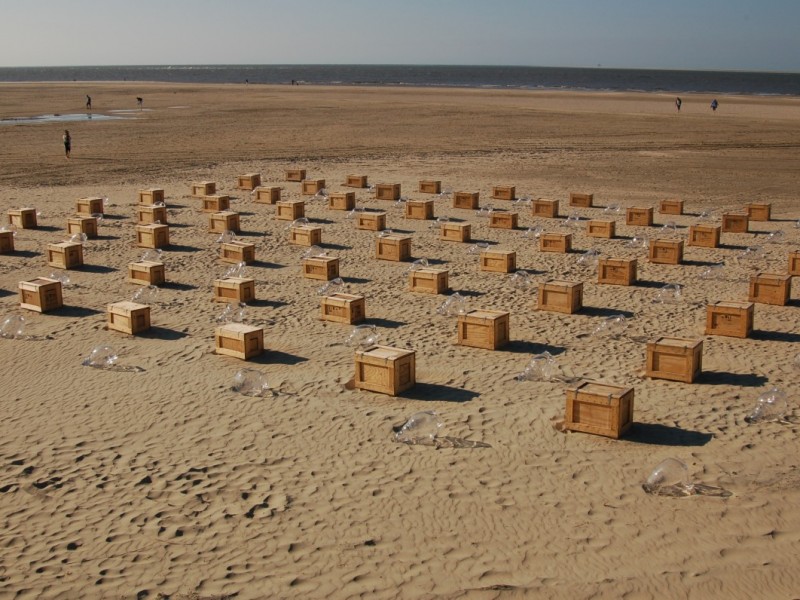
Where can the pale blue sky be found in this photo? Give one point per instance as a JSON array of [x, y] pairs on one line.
[[680, 34]]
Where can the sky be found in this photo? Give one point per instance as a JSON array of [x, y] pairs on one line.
[[668, 34]]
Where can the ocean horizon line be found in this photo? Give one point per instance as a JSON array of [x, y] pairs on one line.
[[597, 78]]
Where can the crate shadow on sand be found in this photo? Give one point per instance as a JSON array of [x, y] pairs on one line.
[[665, 435]]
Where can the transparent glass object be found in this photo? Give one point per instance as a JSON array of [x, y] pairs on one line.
[[237, 270], [13, 327], [541, 367], [314, 251], [672, 293], [233, 312], [454, 305], [78, 238], [226, 237], [250, 382], [611, 327], [520, 280], [534, 232], [669, 478], [477, 247], [772, 405], [145, 295], [420, 263], [363, 336], [334, 286], [101, 357], [638, 241], [712, 272], [152, 255], [421, 428], [61, 276]]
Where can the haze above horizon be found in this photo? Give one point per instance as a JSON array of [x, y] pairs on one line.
[[737, 35]]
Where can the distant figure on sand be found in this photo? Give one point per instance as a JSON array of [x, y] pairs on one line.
[[88, 102], [714, 104], [139, 101], [678, 103], [67, 142]]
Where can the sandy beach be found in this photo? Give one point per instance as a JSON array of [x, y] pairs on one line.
[[165, 483]]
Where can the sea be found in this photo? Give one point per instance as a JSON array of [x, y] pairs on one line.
[[490, 77]]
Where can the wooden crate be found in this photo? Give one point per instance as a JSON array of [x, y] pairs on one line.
[[501, 219], [85, 225], [616, 271], [555, 242], [236, 252], [371, 221], [294, 174], [215, 203], [489, 329], [419, 209], [544, 208], [226, 220], [468, 200], [676, 359], [733, 319], [393, 247], [146, 214], [305, 235], [356, 181], [601, 228], [146, 272], [343, 308], [40, 295], [6, 242], [128, 317], [309, 187], [152, 236], [65, 255], [666, 252], [234, 289], [267, 195], [385, 370], [323, 268], [151, 196], [770, 288], [735, 223], [504, 192], [342, 201], [22, 218], [289, 210], [387, 191], [599, 409], [248, 181], [640, 216], [429, 281], [670, 207], [498, 261], [204, 188], [561, 296], [705, 236], [429, 186], [89, 206], [581, 200], [239, 340], [758, 211], [794, 262], [455, 232]]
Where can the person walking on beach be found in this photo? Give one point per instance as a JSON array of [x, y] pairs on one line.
[[678, 103], [714, 105], [67, 143], [139, 101], [88, 102]]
